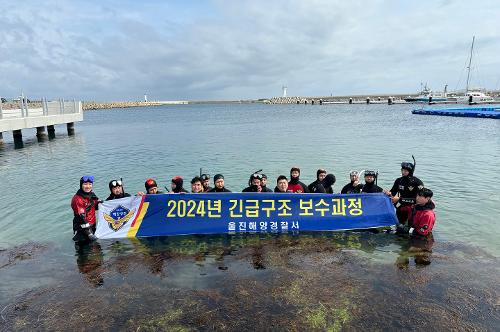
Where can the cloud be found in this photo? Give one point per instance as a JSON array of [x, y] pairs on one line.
[[244, 49]]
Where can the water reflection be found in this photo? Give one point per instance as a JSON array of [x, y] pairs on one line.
[[90, 259], [418, 247]]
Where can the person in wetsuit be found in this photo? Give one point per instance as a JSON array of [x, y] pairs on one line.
[[116, 189], [205, 181], [370, 187], [152, 187], [320, 175], [404, 191], [263, 184], [177, 185], [422, 217], [196, 185], [84, 205], [219, 185], [281, 185], [254, 184], [294, 185], [353, 187]]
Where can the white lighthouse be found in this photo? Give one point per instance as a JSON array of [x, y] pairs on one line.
[[146, 98], [284, 90]]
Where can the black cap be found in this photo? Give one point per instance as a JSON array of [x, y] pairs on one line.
[[425, 192], [205, 177], [218, 176]]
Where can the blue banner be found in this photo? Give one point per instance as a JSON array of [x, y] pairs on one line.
[[215, 213]]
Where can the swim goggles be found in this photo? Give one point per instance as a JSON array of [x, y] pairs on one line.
[[116, 183], [88, 178]]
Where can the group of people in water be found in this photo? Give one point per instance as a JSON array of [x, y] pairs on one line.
[[413, 202]]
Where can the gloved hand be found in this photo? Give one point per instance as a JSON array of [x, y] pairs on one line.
[[402, 229]]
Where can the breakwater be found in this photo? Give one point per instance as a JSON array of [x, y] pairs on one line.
[[93, 105], [338, 99]]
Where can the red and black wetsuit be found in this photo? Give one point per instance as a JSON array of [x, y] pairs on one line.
[[422, 219], [295, 186], [407, 187], [84, 206]]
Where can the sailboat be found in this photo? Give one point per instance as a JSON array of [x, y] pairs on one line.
[[473, 96]]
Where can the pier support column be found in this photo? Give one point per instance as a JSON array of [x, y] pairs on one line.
[[52, 132], [40, 133], [71, 128], [18, 139]]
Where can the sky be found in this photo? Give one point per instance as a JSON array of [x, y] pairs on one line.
[[246, 49]]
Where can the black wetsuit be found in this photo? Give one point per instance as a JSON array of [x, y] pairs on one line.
[[216, 190], [324, 186], [350, 188], [316, 187], [370, 188], [251, 189], [407, 187], [266, 189], [113, 196]]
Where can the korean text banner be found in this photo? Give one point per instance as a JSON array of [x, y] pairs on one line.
[[211, 213]]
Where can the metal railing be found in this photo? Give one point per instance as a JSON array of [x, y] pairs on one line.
[[46, 108]]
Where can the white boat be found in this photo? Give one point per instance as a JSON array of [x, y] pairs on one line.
[[426, 95]]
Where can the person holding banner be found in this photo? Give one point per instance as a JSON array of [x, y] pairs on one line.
[[205, 178], [263, 184], [177, 185], [294, 185], [404, 191], [84, 205], [281, 185], [370, 187], [196, 185], [254, 184], [116, 188], [219, 185], [422, 217], [152, 187], [353, 187]]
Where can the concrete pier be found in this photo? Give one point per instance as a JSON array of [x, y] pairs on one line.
[[40, 133], [50, 114], [18, 138], [51, 131], [71, 128]]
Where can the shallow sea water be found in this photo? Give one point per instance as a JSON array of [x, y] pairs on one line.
[[310, 281]]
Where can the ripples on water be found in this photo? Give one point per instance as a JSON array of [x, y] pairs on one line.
[[456, 157]]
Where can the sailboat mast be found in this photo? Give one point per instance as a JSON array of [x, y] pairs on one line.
[[468, 68]]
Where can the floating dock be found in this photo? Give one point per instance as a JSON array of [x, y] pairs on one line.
[[477, 112]]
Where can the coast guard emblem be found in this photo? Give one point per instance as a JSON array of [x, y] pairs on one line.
[[118, 217]]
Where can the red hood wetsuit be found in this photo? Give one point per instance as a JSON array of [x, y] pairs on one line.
[[84, 206], [423, 218], [295, 186]]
